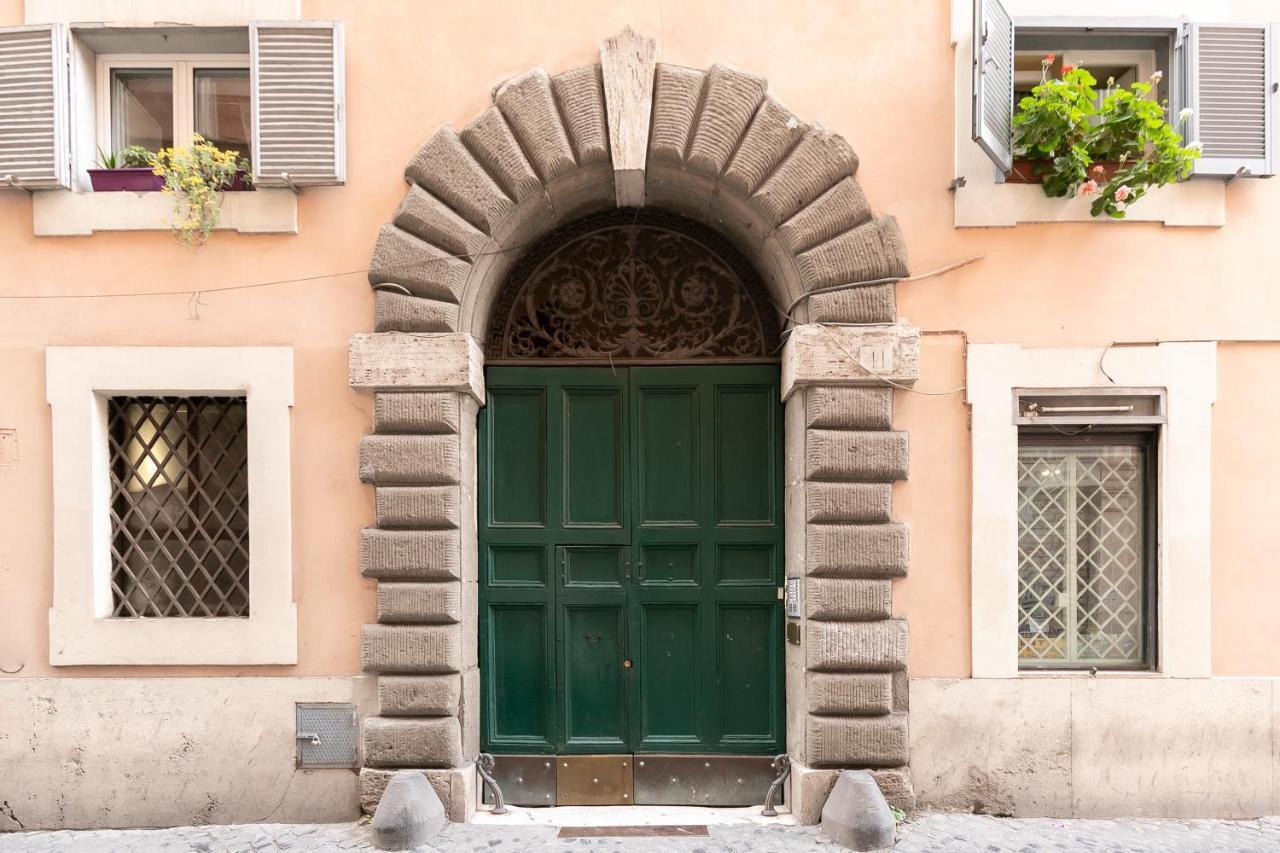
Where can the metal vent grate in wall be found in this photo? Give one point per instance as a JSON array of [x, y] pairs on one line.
[[326, 734]]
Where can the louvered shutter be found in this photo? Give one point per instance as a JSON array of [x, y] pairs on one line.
[[34, 148], [993, 81], [1232, 95], [299, 128]]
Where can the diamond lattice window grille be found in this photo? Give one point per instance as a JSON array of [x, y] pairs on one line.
[[1081, 555], [179, 506]]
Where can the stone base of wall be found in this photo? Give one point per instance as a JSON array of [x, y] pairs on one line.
[[457, 787], [1097, 747], [114, 753]]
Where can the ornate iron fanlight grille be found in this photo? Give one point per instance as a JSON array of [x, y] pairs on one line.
[[633, 286]]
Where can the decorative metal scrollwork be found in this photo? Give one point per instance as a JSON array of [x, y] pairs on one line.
[[633, 286]]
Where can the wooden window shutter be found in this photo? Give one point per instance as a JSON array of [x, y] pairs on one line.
[[34, 145], [299, 122], [993, 81], [1232, 93]]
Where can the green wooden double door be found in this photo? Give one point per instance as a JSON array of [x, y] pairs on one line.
[[630, 560]]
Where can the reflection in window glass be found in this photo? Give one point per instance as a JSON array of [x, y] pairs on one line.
[[142, 108], [222, 107]]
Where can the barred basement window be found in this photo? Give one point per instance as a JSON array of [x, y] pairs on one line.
[[179, 506], [1086, 504]]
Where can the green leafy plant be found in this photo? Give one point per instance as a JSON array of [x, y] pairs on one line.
[[1064, 130], [195, 175], [133, 157], [898, 814]]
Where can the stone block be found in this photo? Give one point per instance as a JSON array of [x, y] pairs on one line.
[[396, 312], [817, 163], [810, 787], [445, 168], [849, 693], [409, 460], [773, 132], [529, 107], [677, 93], [854, 455], [396, 361], [848, 599], [419, 695], [490, 139], [428, 218], [857, 646], [873, 250], [875, 303], [835, 503], [875, 355], [420, 649], [839, 209], [409, 813], [580, 96], [895, 784], [420, 603], [856, 741], [418, 506], [856, 814], [849, 408], [415, 411], [901, 692], [418, 266], [412, 742], [856, 550], [410, 554], [456, 787], [729, 102]]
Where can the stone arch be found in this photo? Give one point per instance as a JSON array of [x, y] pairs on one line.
[[714, 146]]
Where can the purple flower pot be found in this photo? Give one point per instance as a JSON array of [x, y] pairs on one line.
[[138, 180]]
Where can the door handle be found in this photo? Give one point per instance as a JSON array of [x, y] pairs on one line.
[[626, 663]]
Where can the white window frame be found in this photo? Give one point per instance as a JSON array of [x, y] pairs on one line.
[[1188, 373], [79, 381], [183, 67]]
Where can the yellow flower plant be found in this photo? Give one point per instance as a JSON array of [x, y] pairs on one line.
[[195, 175]]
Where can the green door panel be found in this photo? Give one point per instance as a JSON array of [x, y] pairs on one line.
[[594, 461], [518, 694], [593, 702], [631, 514], [670, 689]]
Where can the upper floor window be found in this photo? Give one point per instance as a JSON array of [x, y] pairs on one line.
[[159, 101], [1223, 74]]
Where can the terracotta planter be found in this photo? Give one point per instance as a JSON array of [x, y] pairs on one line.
[[138, 180], [1024, 172]]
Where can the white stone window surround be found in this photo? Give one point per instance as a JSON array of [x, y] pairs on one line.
[[187, 12], [79, 380], [983, 201], [1188, 373]]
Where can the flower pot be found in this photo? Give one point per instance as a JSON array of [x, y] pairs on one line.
[[138, 180], [1024, 172], [238, 184]]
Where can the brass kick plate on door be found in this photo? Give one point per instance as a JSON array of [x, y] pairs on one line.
[[594, 780]]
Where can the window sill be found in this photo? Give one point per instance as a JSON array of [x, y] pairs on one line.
[[267, 638], [1084, 673], [1194, 203], [62, 213]]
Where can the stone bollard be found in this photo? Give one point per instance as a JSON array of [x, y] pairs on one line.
[[856, 814], [409, 814]]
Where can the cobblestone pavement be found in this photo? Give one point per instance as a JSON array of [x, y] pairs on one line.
[[937, 832]]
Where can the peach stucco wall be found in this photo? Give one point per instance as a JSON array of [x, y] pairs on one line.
[[880, 73]]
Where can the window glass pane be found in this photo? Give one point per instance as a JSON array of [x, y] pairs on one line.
[[141, 108], [179, 506], [222, 107], [1081, 555]]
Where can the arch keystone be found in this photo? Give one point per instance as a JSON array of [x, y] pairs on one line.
[[627, 62]]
